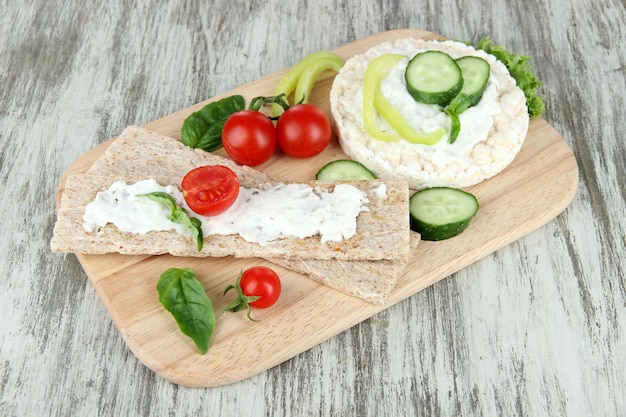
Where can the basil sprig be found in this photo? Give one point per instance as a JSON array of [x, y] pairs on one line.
[[183, 296], [179, 215], [458, 105], [203, 129]]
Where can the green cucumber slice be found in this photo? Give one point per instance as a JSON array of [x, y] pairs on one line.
[[344, 169], [440, 213], [433, 77], [475, 72]]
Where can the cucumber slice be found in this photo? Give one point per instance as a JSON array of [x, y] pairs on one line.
[[440, 213], [433, 77], [344, 169], [475, 72]]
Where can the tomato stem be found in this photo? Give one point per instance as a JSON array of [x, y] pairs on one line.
[[242, 301], [258, 102]]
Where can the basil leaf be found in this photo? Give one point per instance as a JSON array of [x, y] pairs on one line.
[[455, 127], [179, 215], [162, 198], [183, 296], [220, 110], [194, 128], [459, 103], [203, 129]]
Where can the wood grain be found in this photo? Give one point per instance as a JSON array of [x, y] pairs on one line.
[[530, 192], [536, 328]]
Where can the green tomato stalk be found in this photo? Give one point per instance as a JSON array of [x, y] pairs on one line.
[[242, 301]]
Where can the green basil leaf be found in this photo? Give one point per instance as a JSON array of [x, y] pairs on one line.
[[218, 111], [455, 127], [193, 129], [211, 139], [197, 225], [163, 198], [183, 296], [459, 103], [203, 129], [179, 215]]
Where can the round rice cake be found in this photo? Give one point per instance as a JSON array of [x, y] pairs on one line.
[[492, 132]]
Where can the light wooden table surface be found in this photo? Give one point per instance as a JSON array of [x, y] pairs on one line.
[[538, 328]]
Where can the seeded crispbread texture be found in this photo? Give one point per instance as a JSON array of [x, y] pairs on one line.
[[139, 153], [382, 229], [372, 281]]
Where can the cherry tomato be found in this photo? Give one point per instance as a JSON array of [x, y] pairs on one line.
[[211, 189], [303, 131], [249, 137], [262, 282]]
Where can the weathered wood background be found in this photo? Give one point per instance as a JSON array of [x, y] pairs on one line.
[[537, 328]]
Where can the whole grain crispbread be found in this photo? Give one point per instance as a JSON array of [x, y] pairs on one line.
[[371, 281], [139, 153], [381, 229]]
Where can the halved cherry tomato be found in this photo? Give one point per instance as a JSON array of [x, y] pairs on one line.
[[303, 131], [211, 189], [249, 137]]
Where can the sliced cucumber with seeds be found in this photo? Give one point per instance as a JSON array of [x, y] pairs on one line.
[[433, 77], [344, 169], [475, 72], [441, 212]]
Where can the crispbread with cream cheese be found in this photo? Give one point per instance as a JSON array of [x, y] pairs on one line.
[[382, 230], [139, 152]]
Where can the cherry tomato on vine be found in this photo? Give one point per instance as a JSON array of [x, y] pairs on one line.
[[258, 287], [262, 282], [211, 189], [303, 131], [249, 137]]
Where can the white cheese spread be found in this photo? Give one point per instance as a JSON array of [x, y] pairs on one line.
[[123, 206], [258, 215], [492, 132]]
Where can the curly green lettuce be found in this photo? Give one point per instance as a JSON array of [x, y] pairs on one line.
[[519, 67]]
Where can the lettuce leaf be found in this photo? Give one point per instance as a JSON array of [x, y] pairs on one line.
[[519, 67]]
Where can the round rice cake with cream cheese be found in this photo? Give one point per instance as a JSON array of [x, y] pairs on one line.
[[492, 131]]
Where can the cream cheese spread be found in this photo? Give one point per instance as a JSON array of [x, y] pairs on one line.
[[123, 206], [258, 215]]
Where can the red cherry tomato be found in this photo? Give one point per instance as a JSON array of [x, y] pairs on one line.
[[262, 282], [303, 131], [249, 137], [210, 190]]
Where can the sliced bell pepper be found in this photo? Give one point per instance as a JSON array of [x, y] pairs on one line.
[[375, 101]]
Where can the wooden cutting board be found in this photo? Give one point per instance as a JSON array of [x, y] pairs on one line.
[[534, 189]]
